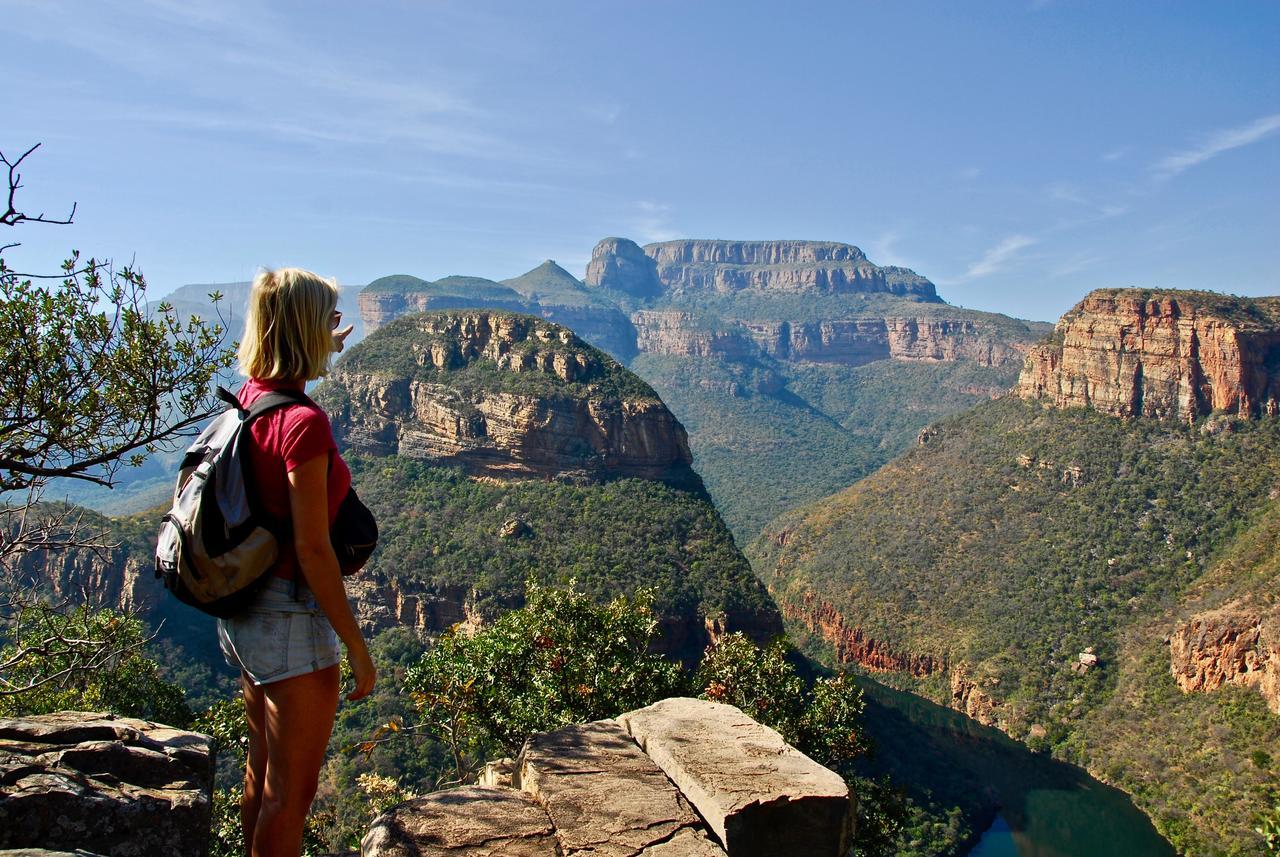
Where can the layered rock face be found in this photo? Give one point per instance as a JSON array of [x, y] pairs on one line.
[[862, 340], [1161, 354], [620, 265], [852, 645], [776, 266], [572, 426], [1233, 645], [111, 785]]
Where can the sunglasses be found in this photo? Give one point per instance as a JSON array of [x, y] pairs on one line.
[[335, 320]]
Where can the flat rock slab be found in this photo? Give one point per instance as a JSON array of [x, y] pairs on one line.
[[760, 796], [78, 781], [473, 821], [606, 798]]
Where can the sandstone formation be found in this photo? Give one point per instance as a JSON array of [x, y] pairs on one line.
[[855, 341], [968, 697], [620, 265], [1236, 645], [777, 266], [472, 821], [605, 797], [636, 300], [1131, 352], [760, 796], [567, 420], [851, 644], [629, 788], [111, 785]]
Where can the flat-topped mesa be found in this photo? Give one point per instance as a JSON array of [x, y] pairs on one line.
[[726, 267], [1166, 354], [503, 395]]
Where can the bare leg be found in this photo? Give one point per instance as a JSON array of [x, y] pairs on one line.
[[299, 719], [256, 765]]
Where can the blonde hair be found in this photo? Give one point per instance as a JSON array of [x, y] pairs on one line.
[[287, 336]]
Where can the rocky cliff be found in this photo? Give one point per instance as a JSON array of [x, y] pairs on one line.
[[731, 266], [503, 395], [1234, 644], [1132, 352]]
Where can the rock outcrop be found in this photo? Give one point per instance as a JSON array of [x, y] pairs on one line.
[[620, 265], [1236, 645], [1169, 354], [472, 821], [605, 796], [503, 395], [110, 785], [681, 778], [759, 795], [854, 646]]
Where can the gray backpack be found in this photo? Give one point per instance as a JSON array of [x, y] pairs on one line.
[[216, 544]]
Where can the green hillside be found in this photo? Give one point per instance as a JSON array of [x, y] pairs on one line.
[[441, 529], [1017, 537], [768, 436]]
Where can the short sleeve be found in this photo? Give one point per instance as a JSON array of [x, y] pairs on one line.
[[306, 434]]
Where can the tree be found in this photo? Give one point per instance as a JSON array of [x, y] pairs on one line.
[[560, 659], [91, 380]]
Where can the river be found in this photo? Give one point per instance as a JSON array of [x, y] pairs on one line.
[[1035, 806]]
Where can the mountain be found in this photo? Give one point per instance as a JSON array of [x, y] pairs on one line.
[[1090, 564], [497, 447], [796, 366]]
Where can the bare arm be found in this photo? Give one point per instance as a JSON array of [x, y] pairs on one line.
[[308, 504]]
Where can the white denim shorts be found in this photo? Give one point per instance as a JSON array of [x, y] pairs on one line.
[[278, 637]]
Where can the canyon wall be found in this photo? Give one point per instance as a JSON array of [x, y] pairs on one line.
[[1233, 645], [1174, 355]]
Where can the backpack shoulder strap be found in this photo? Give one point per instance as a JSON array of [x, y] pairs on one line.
[[275, 399]]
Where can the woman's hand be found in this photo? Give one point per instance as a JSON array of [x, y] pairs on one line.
[[363, 670], [340, 337]]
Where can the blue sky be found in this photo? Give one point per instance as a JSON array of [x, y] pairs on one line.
[[1019, 153]]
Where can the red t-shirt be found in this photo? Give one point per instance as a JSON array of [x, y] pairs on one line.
[[283, 439]]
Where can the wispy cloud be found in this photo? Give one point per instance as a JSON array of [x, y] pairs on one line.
[[1116, 153], [998, 257], [1220, 141], [883, 250], [969, 174], [651, 222]]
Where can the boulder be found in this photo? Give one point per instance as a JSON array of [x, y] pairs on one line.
[[472, 821], [116, 785], [760, 796], [606, 798]]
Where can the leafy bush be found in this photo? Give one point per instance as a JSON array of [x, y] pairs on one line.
[[560, 659], [84, 659]]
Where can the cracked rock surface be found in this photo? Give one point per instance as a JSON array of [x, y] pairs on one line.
[[606, 798], [95, 783], [472, 821], [759, 795]]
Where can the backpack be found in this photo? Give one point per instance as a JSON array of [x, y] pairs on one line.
[[217, 544]]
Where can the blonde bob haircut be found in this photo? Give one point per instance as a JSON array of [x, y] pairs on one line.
[[287, 336]]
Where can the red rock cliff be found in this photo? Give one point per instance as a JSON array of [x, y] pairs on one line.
[[1168, 354]]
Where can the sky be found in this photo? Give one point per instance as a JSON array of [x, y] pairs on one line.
[[1019, 154]]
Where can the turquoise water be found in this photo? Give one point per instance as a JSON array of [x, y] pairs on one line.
[[1029, 804]]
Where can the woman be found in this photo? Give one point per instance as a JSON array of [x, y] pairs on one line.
[[286, 643]]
